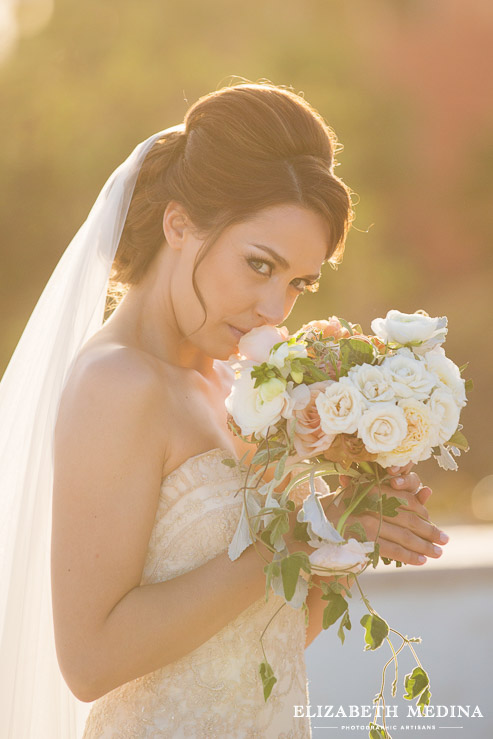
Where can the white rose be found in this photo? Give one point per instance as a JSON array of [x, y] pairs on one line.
[[257, 343], [340, 407], [271, 389], [442, 403], [296, 398], [284, 354], [349, 557], [447, 374], [408, 375], [382, 427], [410, 328], [372, 382], [422, 430], [251, 412]]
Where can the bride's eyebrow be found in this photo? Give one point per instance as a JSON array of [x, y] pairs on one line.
[[283, 262]]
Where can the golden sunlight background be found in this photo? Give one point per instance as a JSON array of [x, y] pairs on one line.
[[404, 86]]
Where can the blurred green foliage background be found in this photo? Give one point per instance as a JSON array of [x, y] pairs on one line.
[[403, 84]]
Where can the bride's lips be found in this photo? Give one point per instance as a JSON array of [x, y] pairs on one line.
[[237, 332]]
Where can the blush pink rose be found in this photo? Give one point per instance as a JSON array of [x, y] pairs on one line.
[[309, 439], [332, 327], [257, 343]]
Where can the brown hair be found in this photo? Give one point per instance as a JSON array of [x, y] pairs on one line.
[[243, 148]]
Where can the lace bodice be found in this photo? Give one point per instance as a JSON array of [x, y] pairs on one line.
[[215, 690]]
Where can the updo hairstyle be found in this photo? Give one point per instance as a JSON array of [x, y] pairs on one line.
[[242, 148]]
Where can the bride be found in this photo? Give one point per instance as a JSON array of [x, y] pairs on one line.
[[215, 226]]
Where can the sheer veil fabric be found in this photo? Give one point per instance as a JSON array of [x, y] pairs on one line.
[[35, 701]]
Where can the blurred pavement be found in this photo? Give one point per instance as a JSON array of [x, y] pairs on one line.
[[448, 602]]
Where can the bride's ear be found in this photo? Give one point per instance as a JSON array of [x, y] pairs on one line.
[[176, 225]]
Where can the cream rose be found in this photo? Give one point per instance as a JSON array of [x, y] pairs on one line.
[[447, 374], [340, 407], [284, 354], [408, 375], [411, 328], [443, 405], [372, 382], [422, 429], [246, 404], [342, 558], [257, 343], [382, 427], [295, 399]]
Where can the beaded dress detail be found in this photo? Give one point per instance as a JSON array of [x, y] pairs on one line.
[[215, 690]]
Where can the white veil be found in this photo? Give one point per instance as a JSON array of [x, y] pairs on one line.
[[35, 702]]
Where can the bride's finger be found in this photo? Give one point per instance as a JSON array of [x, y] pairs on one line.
[[410, 541], [391, 550], [412, 501], [395, 470], [425, 529], [410, 482]]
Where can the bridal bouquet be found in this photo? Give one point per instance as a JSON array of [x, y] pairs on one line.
[[330, 401]]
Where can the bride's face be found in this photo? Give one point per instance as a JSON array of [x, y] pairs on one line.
[[251, 276]]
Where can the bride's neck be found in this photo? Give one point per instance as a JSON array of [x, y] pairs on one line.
[[144, 318]]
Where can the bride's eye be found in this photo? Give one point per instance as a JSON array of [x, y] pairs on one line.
[[256, 264], [308, 286]]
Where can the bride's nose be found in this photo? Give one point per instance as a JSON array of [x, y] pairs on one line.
[[271, 307]]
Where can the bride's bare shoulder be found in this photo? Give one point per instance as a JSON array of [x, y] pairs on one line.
[[113, 380], [103, 363]]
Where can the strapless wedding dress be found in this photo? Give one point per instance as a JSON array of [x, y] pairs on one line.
[[215, 690]]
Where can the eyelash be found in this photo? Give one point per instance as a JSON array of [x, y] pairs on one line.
[[310, 286]]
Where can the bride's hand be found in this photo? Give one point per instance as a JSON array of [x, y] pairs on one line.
[[409, 536]]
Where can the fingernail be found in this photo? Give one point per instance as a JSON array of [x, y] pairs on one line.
[[443, 538], [437, 550], [421, 559], [399, 480]]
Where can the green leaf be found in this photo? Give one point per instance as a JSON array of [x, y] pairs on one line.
[[415, 682], [347, 325], [390, 505], [424, 700], [271, 570], [229, 462], [358, 529], [336, 587], [318, 375], [376, 630], [290, 570], [356, 351], [268, 679], [277, 527], [334, 609], [459, 440], [461, 369], [279, 471], [468, 385], [373, 556], [300, 530], [378, 732], [345, 623], [263, 455]]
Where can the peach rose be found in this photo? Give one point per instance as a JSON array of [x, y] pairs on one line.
[[257, 343], [332, 327], [348, 448], [309, 439]]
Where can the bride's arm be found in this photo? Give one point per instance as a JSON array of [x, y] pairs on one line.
[[108, 470]]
